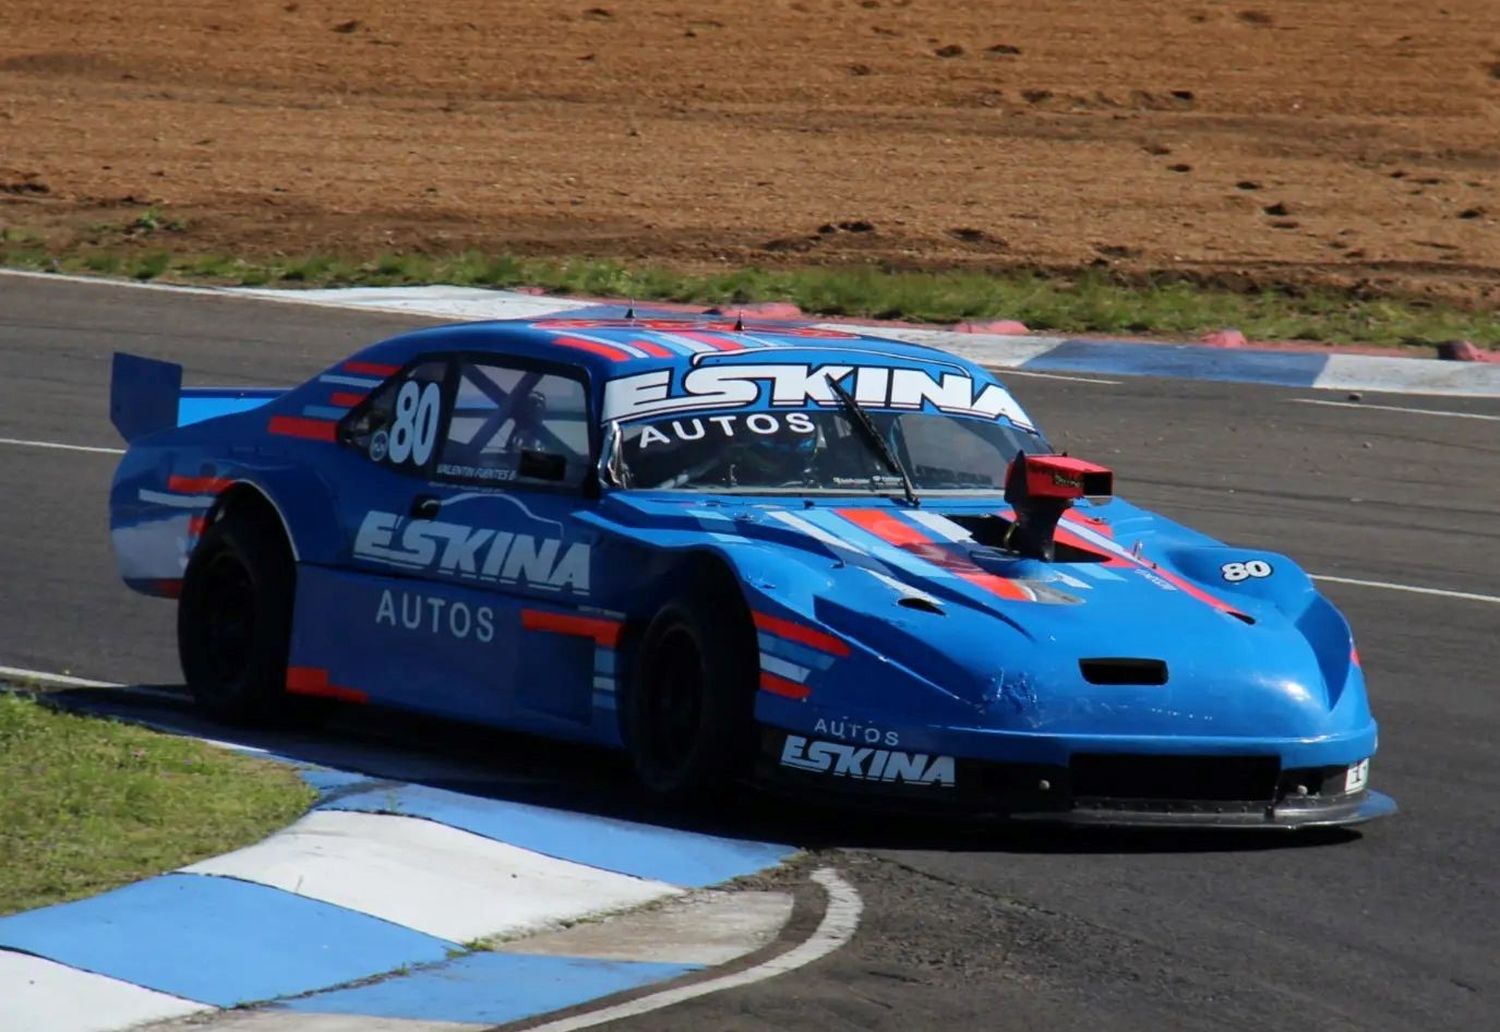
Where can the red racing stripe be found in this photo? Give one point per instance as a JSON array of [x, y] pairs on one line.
[[347, 399], [167, 588], [298, 426], [1118, 558], [604, 631], [614, 354], [196, 524], [781, 686], [314, 681], [652, 349], [1183, 584], [799, 633], [1098, 526], [197, 485], [909, 538], [371, 369]]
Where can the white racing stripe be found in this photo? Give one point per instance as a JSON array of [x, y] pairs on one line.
[[840, 921], [1395, 408], [940, 525], [1468, 596], [781, 668], [19, 443]]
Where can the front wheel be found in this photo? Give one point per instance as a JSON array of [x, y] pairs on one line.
[[689, 710], [234, 619]]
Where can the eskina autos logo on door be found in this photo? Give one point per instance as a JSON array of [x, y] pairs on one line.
[[496, 556]]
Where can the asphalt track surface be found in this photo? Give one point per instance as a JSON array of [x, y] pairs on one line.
[[978, 926]]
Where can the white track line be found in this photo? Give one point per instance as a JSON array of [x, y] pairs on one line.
[[1004, 372], [1466, 595], [65, 447], [1395, 408], [840, 921], [62, 680]]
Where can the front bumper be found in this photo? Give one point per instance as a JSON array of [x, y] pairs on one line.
[[1092, 789]]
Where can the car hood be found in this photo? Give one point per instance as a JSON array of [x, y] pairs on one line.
[[1135, 626]]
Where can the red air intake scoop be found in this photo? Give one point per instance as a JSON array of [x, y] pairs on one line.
[[1041, 488]]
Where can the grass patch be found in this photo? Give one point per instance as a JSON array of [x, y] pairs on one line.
[[87, 805], [1087, 303]]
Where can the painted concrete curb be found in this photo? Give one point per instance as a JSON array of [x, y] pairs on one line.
[[379, 877], [1331, 370]]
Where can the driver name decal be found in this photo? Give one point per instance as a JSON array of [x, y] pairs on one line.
[[795, 385]]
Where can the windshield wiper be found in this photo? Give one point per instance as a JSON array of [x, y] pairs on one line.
[[866, 426]]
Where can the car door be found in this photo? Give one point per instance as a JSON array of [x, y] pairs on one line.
[[456, 485]]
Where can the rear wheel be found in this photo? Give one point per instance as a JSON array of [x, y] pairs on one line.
[[234, 619], [689, 709]]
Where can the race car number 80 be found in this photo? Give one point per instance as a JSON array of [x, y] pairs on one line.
[[1245, 570], [415, 428]]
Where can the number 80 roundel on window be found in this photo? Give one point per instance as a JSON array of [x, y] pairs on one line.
[[414, 430], [399, 424]]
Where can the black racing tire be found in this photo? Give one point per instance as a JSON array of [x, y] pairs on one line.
[[234, 619], [688, 717]]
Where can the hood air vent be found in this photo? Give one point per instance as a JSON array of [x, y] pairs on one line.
[[1123, 671]]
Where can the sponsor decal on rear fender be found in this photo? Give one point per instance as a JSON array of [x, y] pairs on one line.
[[862, 763]]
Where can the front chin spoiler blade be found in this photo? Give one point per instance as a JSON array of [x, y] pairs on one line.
[[1288, 815]]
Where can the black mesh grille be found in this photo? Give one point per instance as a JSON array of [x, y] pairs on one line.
[[1122, 776]]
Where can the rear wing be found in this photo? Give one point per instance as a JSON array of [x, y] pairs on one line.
[[146, 395]]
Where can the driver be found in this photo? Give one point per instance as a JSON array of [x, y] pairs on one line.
[[771, 461], [529, 416]]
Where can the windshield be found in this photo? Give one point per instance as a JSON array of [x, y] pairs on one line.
[[818, 451]]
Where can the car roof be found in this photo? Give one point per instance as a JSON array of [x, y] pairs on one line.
[[611, 348]]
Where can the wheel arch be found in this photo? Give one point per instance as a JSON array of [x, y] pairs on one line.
[[696, 570], [244, 496]]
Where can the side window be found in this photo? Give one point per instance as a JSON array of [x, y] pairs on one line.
[[398, 425], [518, 426]]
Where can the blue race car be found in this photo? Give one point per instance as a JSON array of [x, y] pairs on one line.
[[808, 558]]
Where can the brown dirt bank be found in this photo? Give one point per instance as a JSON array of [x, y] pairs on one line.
[[1249, 142]]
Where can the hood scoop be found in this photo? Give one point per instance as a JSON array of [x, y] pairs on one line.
[[1116, 670], [1039, 489]]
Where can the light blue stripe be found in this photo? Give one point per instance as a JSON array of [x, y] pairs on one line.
[[791, 651], [605, 701], [1190, 362], [490, 988], [1096, 571], [217, 940], [324, 412], [349, 381], [325, 779], [647, 851], [604, 660], [604, 684], [195, 410]]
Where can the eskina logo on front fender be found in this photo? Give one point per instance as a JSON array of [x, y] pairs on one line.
[[866, 764]]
